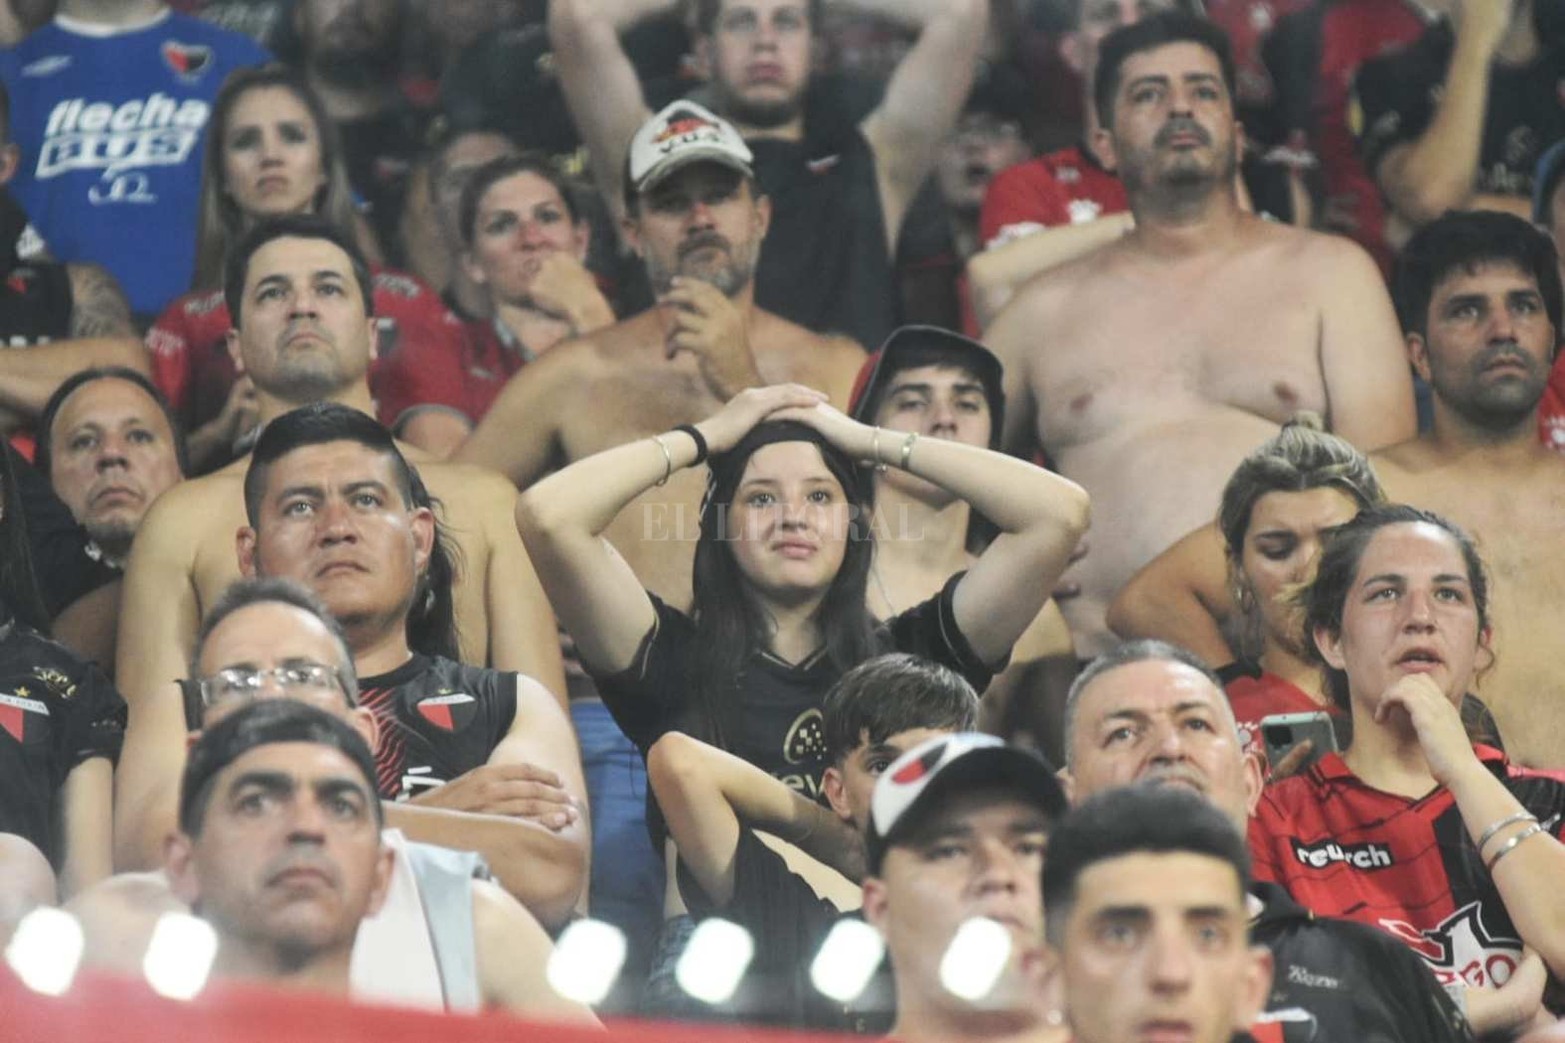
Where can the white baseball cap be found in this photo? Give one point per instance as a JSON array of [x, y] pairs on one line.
[[916, 781], [684, 133]]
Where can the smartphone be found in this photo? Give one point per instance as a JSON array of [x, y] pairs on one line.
[[1281, 732]]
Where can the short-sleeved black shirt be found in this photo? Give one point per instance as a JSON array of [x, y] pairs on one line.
[[788, 921], [438, 719], [57, 711], [777, 726], [1396, 95]]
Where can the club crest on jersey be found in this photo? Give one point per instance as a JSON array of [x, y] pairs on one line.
[[15, 713], [189, 61], [1462, 948], [449, 711]]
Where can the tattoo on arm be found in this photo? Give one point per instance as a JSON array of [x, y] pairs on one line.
[[98, 305]]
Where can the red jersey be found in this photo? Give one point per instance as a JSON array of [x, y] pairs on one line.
[[493, 358], [1342, 848], [1262, 695], [1352, 33], [1061, 188], [1551, 413], [192, 366]]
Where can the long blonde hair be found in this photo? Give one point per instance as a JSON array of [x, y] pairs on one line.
[[220, 221]]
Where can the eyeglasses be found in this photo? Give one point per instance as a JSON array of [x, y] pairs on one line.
[[240, 682]]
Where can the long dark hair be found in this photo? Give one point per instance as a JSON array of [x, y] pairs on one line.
[[731, 624]]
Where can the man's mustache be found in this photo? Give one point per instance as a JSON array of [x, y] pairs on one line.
[[1182, 125], [702, 240]]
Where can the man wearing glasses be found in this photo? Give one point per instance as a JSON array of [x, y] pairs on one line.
[[333, 505], [442, 938]]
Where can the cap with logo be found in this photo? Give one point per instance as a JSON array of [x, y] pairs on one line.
[[684, 133], [913, 346], [937, 768]]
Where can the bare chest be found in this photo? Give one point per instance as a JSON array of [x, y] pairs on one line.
[[1129, 352]]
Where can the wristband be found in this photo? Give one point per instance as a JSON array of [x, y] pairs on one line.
[[907, 449], [698, 438], [1510, 845], [668, 461], [1510, 820]]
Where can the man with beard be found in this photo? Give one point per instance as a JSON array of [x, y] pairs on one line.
[[298, 293], [1479, 295], [697, 222], [350, 51], [841, 190], [1480, 299], [1149, 368]]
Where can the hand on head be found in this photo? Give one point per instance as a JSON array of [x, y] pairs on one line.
[[728, 425]]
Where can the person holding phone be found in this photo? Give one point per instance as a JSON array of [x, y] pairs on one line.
[[1415, 829], [1276, 505]]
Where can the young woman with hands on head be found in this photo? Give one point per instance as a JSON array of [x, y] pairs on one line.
[[780, 572]]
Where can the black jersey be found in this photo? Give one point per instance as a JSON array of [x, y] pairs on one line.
[[438, 719], [826, 265], [35, 296], [57, 711], [777, 724]]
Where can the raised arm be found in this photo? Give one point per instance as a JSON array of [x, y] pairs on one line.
[[1180, 596], [562, 518], [1369, 387], [600, 83], [1526, 872], [160, 612], [708, 796], [1040, 516], [1435, 171], [924, 97]]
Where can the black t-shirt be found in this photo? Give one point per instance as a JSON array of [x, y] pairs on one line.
[[35, 296], [777, 721], [65, 561], [438, 719], [1397, 93], [826, 264], [788, 921], [57, 711]]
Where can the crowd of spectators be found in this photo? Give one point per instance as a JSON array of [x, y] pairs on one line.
[[751, 510]]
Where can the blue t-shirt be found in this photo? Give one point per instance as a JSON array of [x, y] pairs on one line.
[[111, 125]]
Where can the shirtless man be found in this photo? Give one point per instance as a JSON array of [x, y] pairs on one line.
[[297, 293], [697, 222], [1149, 368], [1479, 296]]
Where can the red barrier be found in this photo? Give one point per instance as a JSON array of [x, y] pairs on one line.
[[100, 1009]]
